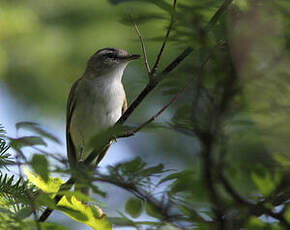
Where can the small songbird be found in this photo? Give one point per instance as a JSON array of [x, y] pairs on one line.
[[96, 101]]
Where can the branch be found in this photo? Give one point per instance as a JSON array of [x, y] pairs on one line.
[[152, 84], [218, 13], [143, 195], [257, 209], [164, 41], [143, 49]]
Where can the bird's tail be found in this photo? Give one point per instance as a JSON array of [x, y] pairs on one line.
[[86, 189]]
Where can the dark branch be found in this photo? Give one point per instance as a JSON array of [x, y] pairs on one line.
[[256, 209], [64, 187], [218, 13]]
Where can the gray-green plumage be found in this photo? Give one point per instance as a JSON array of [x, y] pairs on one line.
[[96, 101]]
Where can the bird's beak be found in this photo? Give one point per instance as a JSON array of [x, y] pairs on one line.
[[131, 57]]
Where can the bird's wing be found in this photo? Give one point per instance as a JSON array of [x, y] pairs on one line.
[[125, 105], [71, 102]]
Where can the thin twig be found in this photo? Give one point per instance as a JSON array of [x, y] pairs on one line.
[[154, 69], [143, 49], [218, 13]]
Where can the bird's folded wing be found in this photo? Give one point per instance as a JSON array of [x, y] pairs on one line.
[[71, 103]]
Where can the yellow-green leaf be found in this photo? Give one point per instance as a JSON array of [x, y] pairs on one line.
[[95, 217], [90, 215], [51, 186]]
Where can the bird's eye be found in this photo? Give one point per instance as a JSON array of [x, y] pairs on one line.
[[111, 55]]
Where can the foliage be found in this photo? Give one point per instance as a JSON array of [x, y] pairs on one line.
[[227, 134]]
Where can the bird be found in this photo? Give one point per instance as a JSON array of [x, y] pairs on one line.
[[95, 103]]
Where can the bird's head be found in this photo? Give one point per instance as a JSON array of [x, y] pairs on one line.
[[109, 59]]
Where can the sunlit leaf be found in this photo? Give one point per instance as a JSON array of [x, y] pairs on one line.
[[51, 186], [94, 216], [266, 182], [90, 215]]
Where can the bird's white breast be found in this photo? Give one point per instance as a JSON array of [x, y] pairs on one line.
[[98, 106]]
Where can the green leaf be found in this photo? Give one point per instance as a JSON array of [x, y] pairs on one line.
[[121, 221], [98, 191], [44, 199], [51, 186], [255, 223], [134, 207], [287, 214], [160, 3], [32, 126], [135, 165], [266, 182], [179, 175], [40, 166], [153, 170], [151, 210], [23, 213], [73, 213], [51, 226], [18, 143], [90, 215]]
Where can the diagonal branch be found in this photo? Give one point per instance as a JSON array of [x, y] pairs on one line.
[[218, 13], [152, 84]]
